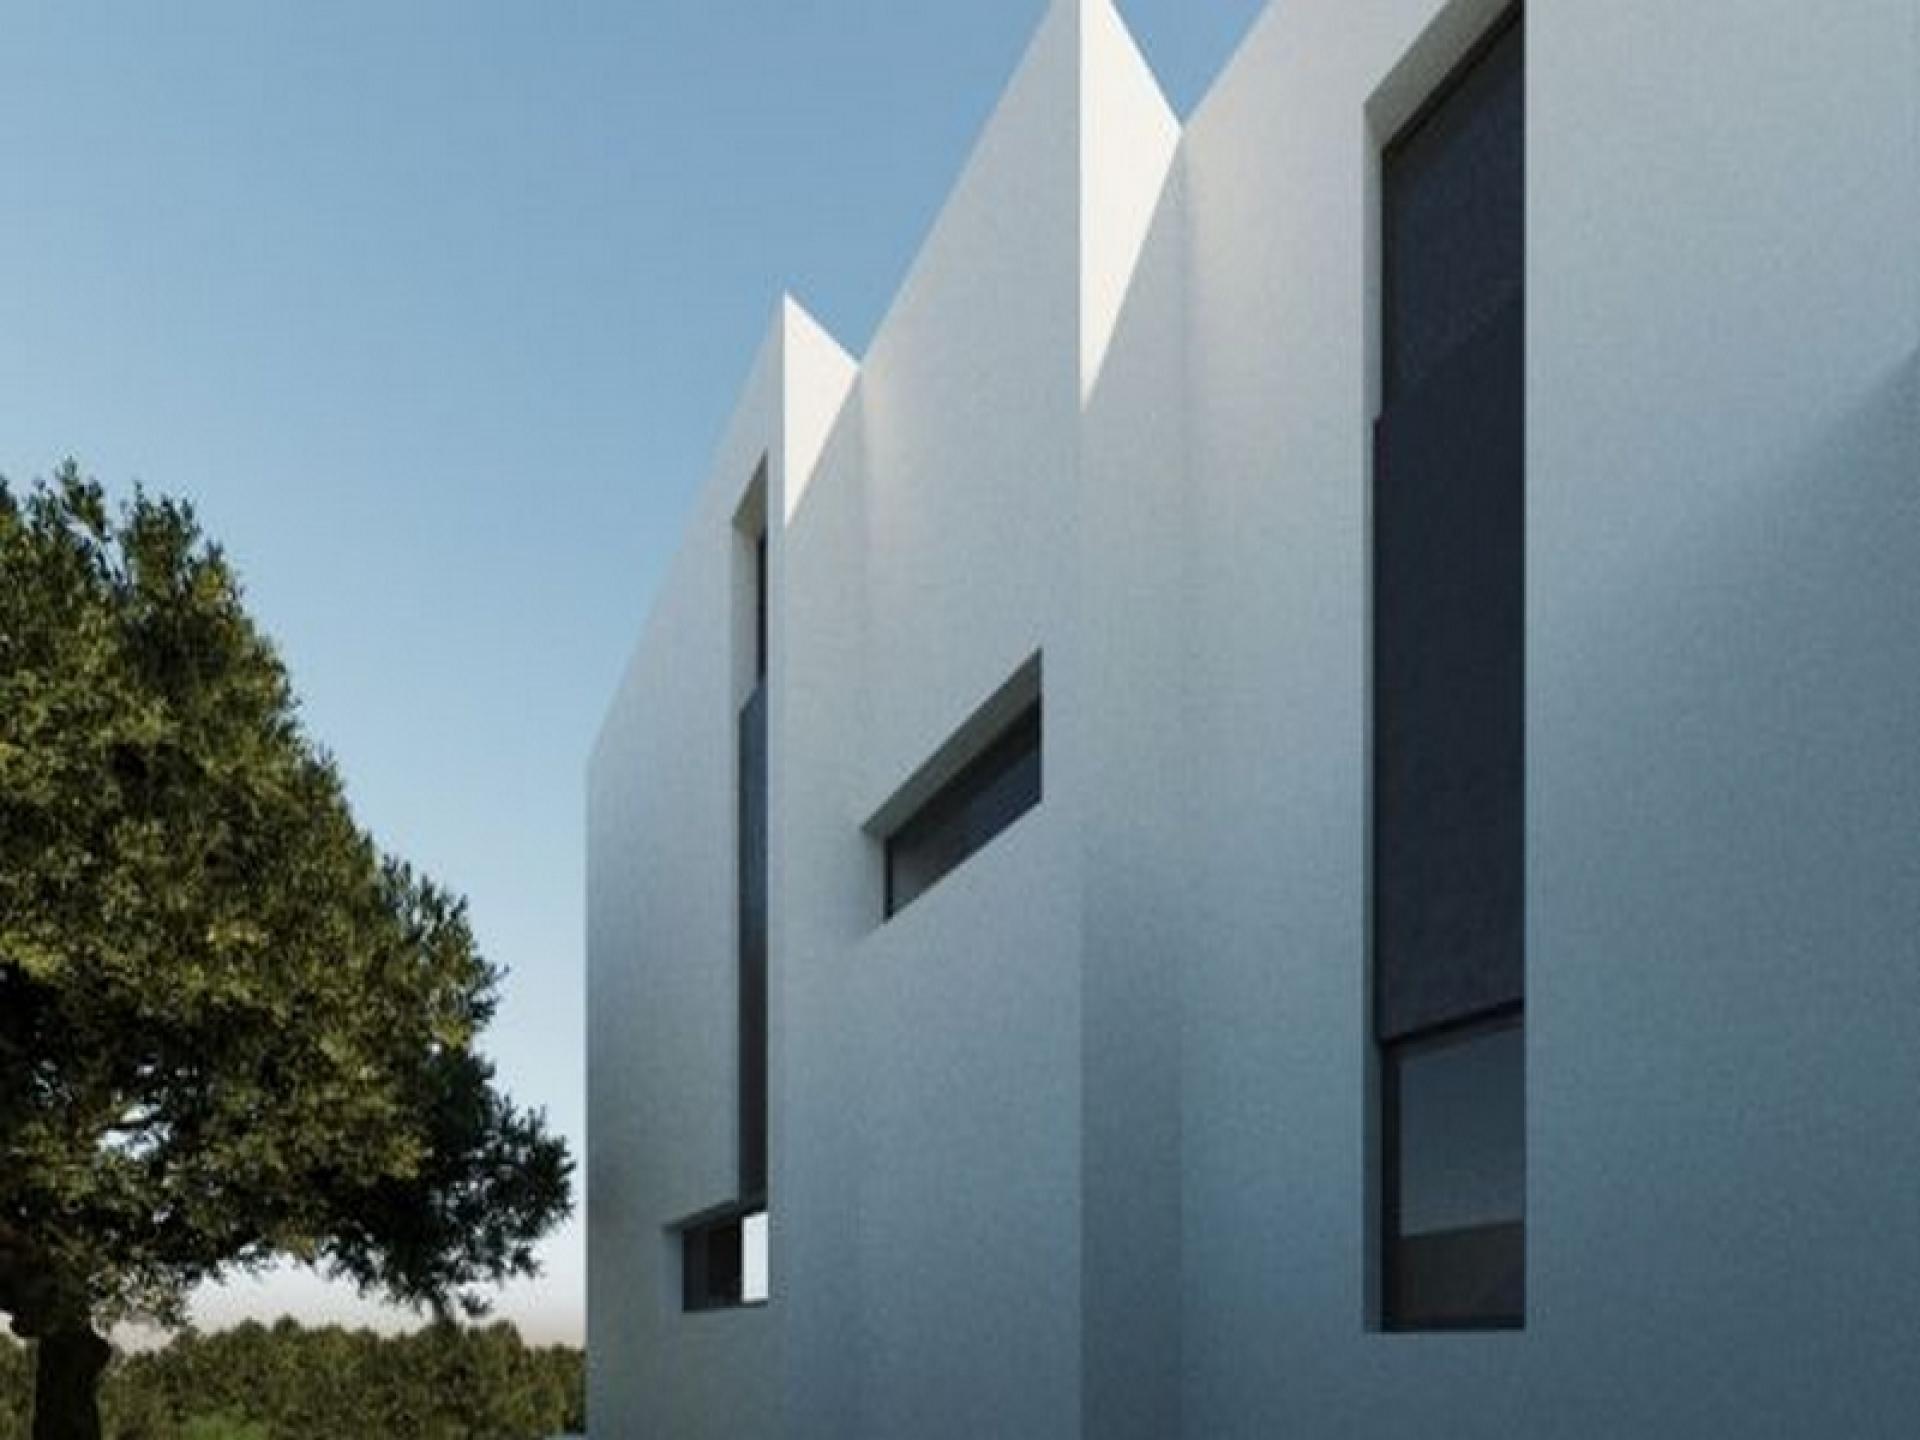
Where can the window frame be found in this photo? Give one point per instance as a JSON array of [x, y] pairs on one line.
[[1388, 1054]]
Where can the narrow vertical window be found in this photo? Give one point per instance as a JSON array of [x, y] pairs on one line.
[[724, 1250], [753, 899], [1449, 703], [760, 606]]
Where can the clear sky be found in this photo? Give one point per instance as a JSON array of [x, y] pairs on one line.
[[435, 310]]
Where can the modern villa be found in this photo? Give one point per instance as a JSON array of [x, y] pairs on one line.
[[1294, 809]]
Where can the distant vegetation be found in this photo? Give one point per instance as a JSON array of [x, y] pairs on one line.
[[445, 1382]]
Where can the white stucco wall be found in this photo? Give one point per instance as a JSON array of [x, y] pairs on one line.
[[927, 554], [1724, 578], [1138, 839], [1725, 675], [942, 1220], [662, 933], [1080, 1142]]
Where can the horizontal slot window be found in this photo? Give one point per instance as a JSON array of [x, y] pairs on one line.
[[985, 796]]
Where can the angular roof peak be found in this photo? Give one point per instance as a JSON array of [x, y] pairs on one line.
[[1075, 154], [1128, 137], [817, 374]]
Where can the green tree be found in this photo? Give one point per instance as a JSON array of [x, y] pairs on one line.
[[222, 1427], [16, 1390], [231, 1029]]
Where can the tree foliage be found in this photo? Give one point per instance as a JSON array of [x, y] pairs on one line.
[[231, 1029], [16, 1390], [290, 1383]]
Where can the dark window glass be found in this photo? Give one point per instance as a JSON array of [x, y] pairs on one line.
[[1453, 215], [1449, 701], [753, 944], [714, 1267], [987, 795], [1456, 1179], [760, 607], [1449, 690]]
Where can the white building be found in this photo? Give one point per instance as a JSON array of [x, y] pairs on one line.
[[1455, 507]]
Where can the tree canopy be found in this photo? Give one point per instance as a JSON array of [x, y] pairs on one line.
[[231, 1028]]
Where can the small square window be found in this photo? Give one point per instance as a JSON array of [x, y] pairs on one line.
[[724, 1261]]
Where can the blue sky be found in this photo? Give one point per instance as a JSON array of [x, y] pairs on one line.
[[435, 311]]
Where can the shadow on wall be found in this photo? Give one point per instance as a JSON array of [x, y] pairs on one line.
[[1731, 792], [1776, 642]]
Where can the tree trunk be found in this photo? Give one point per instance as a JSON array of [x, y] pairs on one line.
[[66, 1385]]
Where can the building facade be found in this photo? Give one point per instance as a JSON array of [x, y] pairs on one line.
[[1295, 809]]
